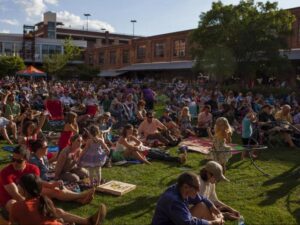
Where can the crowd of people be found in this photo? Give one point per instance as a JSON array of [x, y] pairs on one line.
[[114, 121]]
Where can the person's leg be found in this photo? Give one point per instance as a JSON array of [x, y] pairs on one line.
[[136, 155], [5, 135], [98, 175], [71, 218], [201, 211], [81, 172], [91, 175], [9, 204], [14, 130], [159, 137], [69, 177], [287, 137], [66, 195], [159, 155]]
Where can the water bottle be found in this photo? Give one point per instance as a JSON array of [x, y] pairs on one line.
[[241, 220]]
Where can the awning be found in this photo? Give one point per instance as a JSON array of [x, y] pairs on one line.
[[110, 73], [159, 66]]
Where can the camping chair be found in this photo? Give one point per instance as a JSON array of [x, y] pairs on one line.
[[56, 114]]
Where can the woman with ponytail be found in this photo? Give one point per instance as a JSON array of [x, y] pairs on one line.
[[37, 209]]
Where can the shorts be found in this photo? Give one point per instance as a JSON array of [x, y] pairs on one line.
[[3, 122]]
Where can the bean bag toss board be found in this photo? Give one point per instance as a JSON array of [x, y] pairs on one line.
[[116, 188]]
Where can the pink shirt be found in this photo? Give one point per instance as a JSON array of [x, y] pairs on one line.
[[204, 120], [147, 128]]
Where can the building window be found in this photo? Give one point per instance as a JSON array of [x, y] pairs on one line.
[[141, 52], [52, 30], [8, 48], [179, 48], [125, 56], [101, 58], [159, 49], [112, 57]]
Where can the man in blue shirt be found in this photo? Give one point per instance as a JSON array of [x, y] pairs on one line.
[[173, 206]]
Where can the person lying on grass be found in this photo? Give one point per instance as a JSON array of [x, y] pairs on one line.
[[210, 175], [130, 147], [10, 175], [39, 209], [182, 204]]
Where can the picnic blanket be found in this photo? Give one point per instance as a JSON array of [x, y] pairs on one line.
[[203, 145], [10, 148]]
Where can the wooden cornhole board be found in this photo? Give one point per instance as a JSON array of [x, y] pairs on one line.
[[116, 188]]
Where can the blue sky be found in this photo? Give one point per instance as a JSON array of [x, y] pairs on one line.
[[153, 16]]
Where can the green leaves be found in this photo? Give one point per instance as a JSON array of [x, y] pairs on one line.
[[9, 65], [56, 62], [248, 33]]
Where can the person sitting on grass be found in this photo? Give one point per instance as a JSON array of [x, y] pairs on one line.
[[210, 175], [67, 167], [151, 128], [10, 175], [130, 147], [185, 122], [204, 121], [36, 208], [4, 124], [174, 205]]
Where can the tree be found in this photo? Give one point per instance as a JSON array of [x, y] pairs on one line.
[[252, 33], [9, 65], [56, 62]]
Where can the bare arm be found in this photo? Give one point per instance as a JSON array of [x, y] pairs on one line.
[[13, 191]]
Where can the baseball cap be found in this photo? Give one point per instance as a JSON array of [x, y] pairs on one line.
[[216, 169]]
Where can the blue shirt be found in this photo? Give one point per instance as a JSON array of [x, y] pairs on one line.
[[246, 128], [172, 209], [43, 165]]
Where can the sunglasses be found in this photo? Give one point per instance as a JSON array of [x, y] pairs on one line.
[[17, 160]]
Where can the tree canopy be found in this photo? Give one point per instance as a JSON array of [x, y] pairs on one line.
[[56, 62], [9, 65], [251, 34]]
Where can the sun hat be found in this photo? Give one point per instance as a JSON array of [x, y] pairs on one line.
[[215, 169]]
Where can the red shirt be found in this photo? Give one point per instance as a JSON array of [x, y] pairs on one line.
[[9, 175], [27, 213]]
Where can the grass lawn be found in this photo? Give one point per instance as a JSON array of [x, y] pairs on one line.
[[261, 200]]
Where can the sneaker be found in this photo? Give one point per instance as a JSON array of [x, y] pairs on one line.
[[99, 216]]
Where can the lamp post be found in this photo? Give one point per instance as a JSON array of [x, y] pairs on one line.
[[133, 22], [87, 20]]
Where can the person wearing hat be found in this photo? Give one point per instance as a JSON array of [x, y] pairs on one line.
[[210, 175], [183, 204]]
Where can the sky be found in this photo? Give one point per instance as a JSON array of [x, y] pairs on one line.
[[152, 16]]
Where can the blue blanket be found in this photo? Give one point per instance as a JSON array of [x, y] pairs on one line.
[[9, 148]]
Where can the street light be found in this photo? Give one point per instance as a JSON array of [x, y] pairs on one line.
[[87, 20], [133, 22]]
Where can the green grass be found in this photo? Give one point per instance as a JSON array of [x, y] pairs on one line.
[[261, 200]]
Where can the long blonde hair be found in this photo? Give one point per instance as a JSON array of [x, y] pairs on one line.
[[223, 129], [188, 112]]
